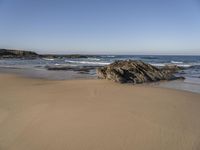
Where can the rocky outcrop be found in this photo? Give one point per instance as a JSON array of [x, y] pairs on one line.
[[133, 72], [80, 69], [172, 68], [5, 53]]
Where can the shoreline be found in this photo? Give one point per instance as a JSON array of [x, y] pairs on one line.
[[180, 85], [75, 67]]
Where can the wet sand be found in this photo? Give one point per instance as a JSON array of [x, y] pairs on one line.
[[38, 114]]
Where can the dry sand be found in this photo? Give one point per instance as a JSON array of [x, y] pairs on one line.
[[95, 115]]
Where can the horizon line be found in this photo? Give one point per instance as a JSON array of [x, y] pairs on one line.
[[79, 53]]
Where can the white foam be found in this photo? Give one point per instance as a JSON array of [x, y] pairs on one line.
[[87, 62], [164, 64], [185, 65], [49, 59], [176, 62], [97, 59], [158, 64]]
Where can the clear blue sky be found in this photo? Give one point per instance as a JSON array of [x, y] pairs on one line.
[[101, 26]]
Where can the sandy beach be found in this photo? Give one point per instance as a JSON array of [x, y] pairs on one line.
[[95, 114]]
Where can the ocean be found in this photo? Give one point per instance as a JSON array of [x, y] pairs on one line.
[[38, 68]]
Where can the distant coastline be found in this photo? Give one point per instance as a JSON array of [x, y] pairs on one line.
[[11, 53]]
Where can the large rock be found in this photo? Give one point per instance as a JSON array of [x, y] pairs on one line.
[[133, 72]]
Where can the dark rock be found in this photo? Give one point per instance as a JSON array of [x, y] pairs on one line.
[[5, 53], [195, 67], [182, 72], [81, 69], [172, 68], [133, 72]]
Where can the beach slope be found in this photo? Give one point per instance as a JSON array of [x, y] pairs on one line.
[[95, 115]]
